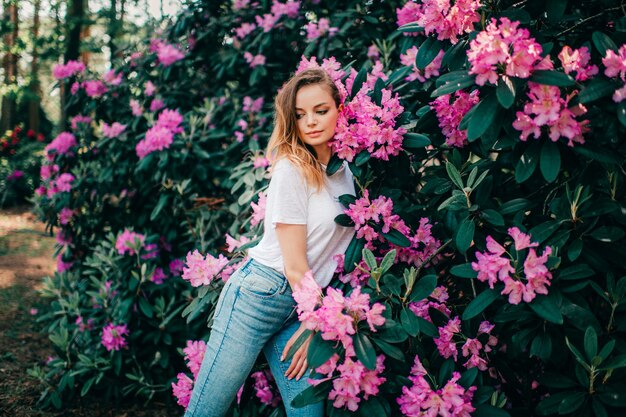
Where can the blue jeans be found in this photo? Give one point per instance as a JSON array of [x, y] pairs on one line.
[[255, 311]]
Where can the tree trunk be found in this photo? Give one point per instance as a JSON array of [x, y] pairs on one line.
[[113, 31], [74, 21], [34, 103], [10, 59]]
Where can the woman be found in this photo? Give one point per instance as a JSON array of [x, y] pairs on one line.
[[256, 310]]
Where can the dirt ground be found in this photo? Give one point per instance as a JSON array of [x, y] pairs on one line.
[[25, 257]]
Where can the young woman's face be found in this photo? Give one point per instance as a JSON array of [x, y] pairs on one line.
[[316, 114]]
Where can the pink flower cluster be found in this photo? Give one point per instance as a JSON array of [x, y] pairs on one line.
[[234, 244], [451, 114], [450, 335], [437, 300], [194, 353], [129, 242], [65, 216], [252, 105], [79, 119], [492, 267], [432, 69], [365, 126], [315, 30], [577, 60], [258, 209], [62, 71], [367, 217], [113, 336], [168, 54], [61, 145], [202, 270], [332, 67], [264, 390], [244, 30], [254, 60], [547, 108], [112, 78], [503, 46], [445, 18], [161, 135], [112, 131], [615, 67], [334, 315], [291, 9], [182, 389], [94, 88], [420, 400], [423, 245]]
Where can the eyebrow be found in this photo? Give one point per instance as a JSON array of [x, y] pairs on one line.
[[317, 105]]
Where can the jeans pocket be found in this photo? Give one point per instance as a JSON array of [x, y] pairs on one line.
[[261, 286]]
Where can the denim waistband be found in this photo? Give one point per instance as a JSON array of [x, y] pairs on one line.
[[255, 266]]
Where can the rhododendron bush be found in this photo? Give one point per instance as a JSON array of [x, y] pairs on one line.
[[486, 274]]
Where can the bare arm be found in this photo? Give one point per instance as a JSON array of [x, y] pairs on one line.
[[292, 241]]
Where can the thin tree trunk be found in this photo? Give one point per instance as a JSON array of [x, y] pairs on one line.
[[74, 21], [9, 105], [112, 29], [34, 103]]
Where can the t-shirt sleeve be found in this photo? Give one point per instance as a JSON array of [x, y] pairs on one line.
[[289, 194]]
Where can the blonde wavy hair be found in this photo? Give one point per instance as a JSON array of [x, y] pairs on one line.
[[284, 141]]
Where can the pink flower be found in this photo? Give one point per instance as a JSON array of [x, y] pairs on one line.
[[158, 276], [113, 130], [321, 28], [254, 60], [522, 240], [63, 266], [94, 88], [111, 78], [171, 120], [252, 105], [136, 108], [113, 336], [432, 69], [62, 144], [615, 63], [372, 52], [79, 119], [244, 30], [63, 184], [265, 392], [65, 216], [149, 89], [157, 138], [355, 382], [233, 244], [515, 290], [577, 60], [451, 114], [258, 210], [60, 71], [261, 162], [307, 295], [168, 54], [620, 94], [129, 242], [182, 389], [201, 270], [194, 353], [156, 105], [176, 267], [503, 46]]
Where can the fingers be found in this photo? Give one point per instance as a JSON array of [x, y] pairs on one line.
[[298, 366]]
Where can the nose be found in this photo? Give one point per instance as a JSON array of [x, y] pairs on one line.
[[311, 120]]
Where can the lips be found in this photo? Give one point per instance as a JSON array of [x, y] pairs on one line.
[[313, 133]]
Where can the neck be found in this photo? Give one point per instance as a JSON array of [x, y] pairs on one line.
[[323, 153]]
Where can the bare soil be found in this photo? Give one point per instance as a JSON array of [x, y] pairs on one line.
[[26, 256]]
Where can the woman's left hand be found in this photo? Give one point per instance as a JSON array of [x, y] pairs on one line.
[[299, 364]]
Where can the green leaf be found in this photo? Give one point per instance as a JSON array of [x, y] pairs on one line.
[[145, 307], [397, 238], [598, 154], [347, 199], [487, 410], [572, 402], [614, 363], [353, 254], [333, 165], [550, 161], [390, 350], [415, 141], [550, 77], [465, 235], [299, 341], [480, 303], [364, 350], [596, 89], [621, 113], [555, 9], [608, 234], [409, 322], [577, 271], [526, 165], [547, 308], [159, 206], [483, 117], [370, 259], [344, 220], [427, 52], [514, 206], [358, 81], [591, 343], [454, 84], [428, 328], [454, 175], [319, 351], [423, 288], [388, 261], [541, 346], [603, 43], [468, 377], [362, 158], [575, 249], [492, 217], [544, 230], [505, 91], [410, 28], [464, 271], [312, 395]]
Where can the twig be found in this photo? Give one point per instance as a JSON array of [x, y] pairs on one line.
[[587, 19]]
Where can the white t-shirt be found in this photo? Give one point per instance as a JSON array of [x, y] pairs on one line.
[[291, 200]]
